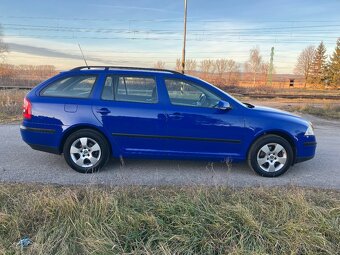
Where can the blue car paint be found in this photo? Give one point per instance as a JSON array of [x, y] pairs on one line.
[[160, 130]]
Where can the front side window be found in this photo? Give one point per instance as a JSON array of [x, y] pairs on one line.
[[189, 94], [130, 89], [75, 87]]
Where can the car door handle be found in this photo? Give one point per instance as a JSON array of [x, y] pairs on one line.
[[103, 111], [176, 116]]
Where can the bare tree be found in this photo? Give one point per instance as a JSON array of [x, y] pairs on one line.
[[3, 47], [233, 70], [221, 66], [159, 65], [190, 65], [253, 65], [207, 66], [178, 66], [305, 62], [264, 71]]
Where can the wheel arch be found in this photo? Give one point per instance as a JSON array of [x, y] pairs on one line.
[[78, 127], [288, 137]]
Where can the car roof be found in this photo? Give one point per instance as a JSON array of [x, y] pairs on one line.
[[123, 68]]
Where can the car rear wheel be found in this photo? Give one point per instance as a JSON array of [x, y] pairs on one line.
[[86, 151], [270, 156]]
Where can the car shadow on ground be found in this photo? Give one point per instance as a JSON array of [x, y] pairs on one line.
[[176, 165]]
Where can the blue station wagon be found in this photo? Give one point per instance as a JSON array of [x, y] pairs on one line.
[[92, 113]]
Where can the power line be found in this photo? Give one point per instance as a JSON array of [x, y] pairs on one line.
[[124, 60], [304, 32], [131, 58], [168, 33], [172, 30], [179, 20], [196, 57], [269, 40]]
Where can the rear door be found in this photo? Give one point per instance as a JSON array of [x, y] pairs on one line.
[[131, 112]]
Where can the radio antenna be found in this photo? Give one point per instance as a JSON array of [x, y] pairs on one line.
[[83, 56]]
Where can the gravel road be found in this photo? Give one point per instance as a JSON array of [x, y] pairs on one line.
[[20, 164]]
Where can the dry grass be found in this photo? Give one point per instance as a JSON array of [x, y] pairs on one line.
[[11, 105], [327, 111], [272, 90], [137, 220]]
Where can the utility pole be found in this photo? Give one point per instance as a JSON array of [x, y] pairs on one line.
[[271, 66], [185, 36]]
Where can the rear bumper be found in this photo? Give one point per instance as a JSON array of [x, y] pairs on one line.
[[42, 138], [44, 148], [38, 130]]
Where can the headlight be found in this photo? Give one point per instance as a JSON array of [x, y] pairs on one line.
[[310, 130]]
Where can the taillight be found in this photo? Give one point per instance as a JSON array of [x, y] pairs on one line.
[[27, 109]]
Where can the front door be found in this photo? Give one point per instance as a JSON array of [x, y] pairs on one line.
[[196, 127]]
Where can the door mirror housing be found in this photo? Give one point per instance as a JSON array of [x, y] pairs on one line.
[[223, 105]]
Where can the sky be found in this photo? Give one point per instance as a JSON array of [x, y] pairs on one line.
[[142, 32]]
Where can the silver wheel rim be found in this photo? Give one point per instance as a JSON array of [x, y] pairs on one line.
[[272, 157], [85, 152]]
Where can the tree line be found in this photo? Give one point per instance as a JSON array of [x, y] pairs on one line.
[[313, 64], [25, 75], [226, 71], [317, 68]]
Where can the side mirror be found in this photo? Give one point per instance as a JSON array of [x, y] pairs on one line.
[[223, 105]]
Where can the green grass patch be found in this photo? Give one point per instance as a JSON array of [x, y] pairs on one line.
[[173, 220]]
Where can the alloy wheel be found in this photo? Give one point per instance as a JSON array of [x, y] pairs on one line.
[[85, 152], [272, 157]]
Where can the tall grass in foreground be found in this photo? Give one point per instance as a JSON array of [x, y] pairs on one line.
[[136, 220], [11, 101]]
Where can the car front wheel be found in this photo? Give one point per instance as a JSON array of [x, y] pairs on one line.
[[270, 156], [86, 151]]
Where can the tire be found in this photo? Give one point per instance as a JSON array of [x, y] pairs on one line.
[[270, 156], [86, 151]]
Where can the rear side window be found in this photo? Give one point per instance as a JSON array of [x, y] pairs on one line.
[[108, 93], [75, 87], [130, 89]]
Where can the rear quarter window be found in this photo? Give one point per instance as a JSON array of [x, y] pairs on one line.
[[79, 86]]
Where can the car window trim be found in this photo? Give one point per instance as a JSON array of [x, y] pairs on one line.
[[133, 76], [70, 76]]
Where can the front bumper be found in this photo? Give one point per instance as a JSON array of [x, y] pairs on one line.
[[306, 149], [302, 159]]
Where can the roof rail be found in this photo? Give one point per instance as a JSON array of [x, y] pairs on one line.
[[123, 67]]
